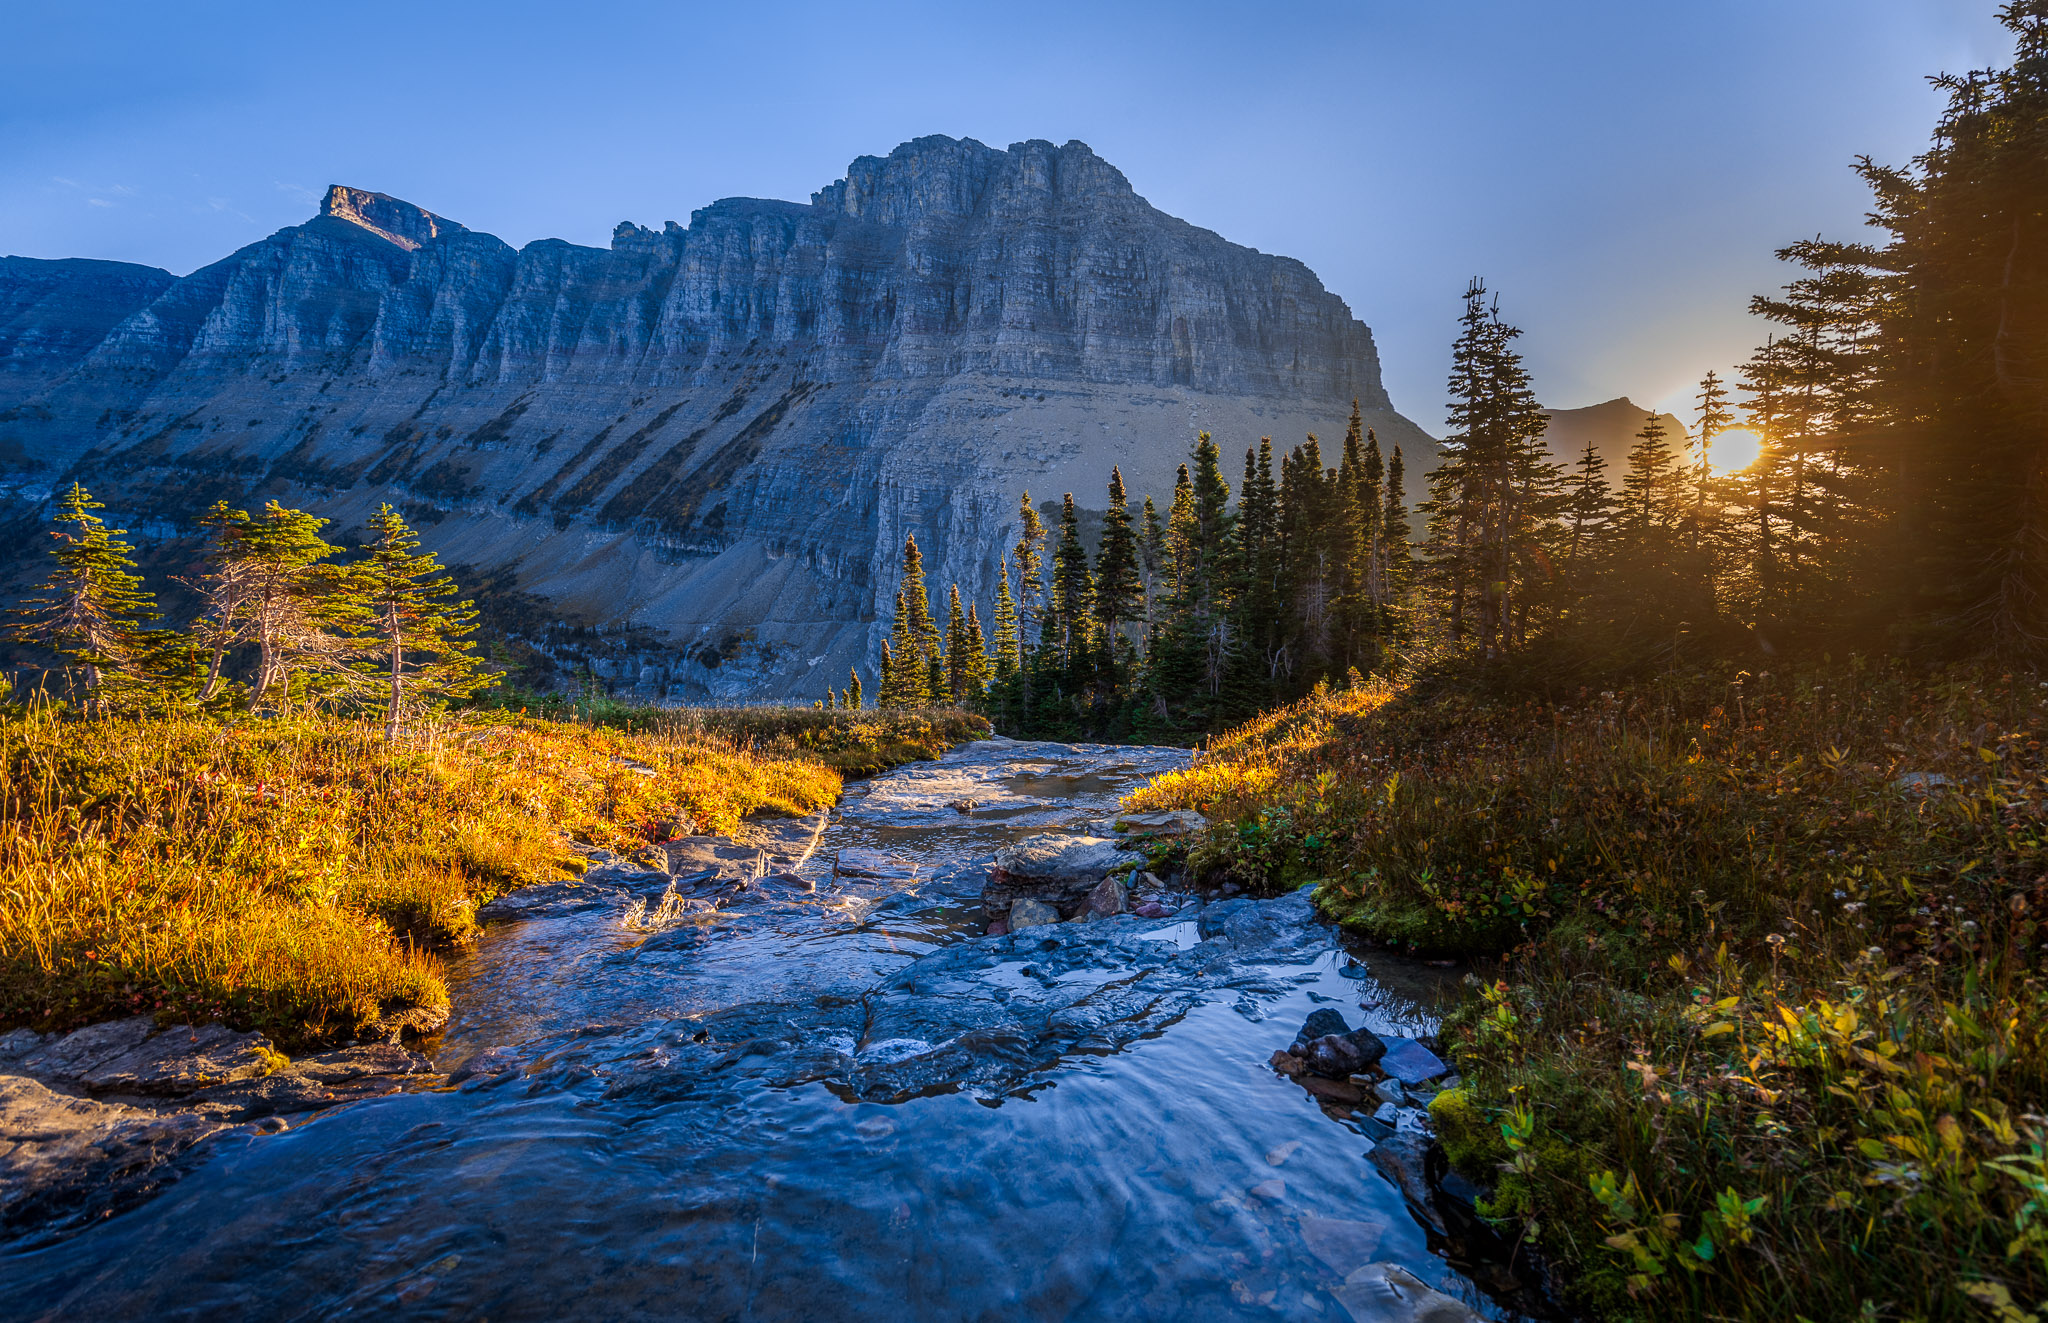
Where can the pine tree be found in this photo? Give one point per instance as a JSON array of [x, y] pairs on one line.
[[420, 634], [892, 692], [265, 583], [1650, 499], [1589, 509], [1152, 555], [959, 654], [93, 612], [1073, 590], [853, 694], [1119, 580], [1030, 575], [1009, 657], [975, 670]]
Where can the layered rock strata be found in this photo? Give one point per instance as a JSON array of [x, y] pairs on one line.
[[716, 435]]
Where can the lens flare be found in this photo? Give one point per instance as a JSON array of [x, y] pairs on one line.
[[1733, 451]]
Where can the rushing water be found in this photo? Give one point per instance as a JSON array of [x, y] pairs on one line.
[[752, 1116]]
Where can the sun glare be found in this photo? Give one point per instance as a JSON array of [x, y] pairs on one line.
[[1733, 451]]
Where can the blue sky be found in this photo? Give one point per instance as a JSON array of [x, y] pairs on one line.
[[1620, 172]]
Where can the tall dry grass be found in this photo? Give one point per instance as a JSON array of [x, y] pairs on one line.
[[299, 875]]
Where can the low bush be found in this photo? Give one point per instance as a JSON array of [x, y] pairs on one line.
[[1770, 1037]]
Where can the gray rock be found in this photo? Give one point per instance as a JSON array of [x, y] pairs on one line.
[[1028, 913], [1402, 1158], [181, 1059], [67, 1161], [1410, 1062], [1108, 898], [1389, 1293], [968, 319], [18, 1044], [1335, 1056], [1321, 1023], [1389, 1091], [1058, 870], [70, 1057]]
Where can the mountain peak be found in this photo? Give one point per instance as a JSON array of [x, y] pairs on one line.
[[387, 217]]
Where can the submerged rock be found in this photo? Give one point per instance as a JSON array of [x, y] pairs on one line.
[[1410, 1062], [1389, 1293], [1028, 913]]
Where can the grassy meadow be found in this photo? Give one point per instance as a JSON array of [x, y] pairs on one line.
[[299, 875], [1769, 1037]]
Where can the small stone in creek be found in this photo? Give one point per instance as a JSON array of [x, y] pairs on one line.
[[1390, 1091], [1336, 1056], [1107, 898], [1028, 913], [1151, 909], [1281, 1154], [1387, 1114], [1287, 1064], [998, 927], [1271, 1192]]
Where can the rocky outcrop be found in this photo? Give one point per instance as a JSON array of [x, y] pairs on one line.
[[717, 433]]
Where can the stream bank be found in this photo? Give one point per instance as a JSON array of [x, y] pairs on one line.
[[827, 1093]]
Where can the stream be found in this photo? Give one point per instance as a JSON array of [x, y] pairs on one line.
[[840, 1103]]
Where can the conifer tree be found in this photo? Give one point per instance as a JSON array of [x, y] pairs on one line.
[[1119, 580], [959, 655], [1073, 590], [975, 670], [420, 634], [1009, 658], [266, 584], [93, 612], [1589, 509], [853, 694], [1030, 573], [1183, 532]]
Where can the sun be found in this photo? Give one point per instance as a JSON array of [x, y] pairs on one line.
[[1733, 451]]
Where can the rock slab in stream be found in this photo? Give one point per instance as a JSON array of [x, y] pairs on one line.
[[66, 1160], [1060, 871], [1389, 1293]]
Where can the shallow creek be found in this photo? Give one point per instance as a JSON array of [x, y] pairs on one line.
[[840, 1104]]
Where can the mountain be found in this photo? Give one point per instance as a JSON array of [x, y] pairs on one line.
[[701, 447], [1611, 427]]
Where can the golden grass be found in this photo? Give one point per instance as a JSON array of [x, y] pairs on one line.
[[298, 875]]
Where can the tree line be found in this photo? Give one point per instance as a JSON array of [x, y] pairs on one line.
[[1899, 498], [1178, 621], [281, 623]]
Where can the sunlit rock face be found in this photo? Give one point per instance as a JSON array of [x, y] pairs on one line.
[[719, 433]]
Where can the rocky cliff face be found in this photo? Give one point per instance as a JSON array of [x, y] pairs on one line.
[[716, 434]]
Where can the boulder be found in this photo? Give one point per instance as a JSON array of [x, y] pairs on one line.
[[1403, 1158], [1410, 1062], [1389, 1293], [1029, 913], [1060, 871]]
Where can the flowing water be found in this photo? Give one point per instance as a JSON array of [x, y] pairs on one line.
[[840, 1104]]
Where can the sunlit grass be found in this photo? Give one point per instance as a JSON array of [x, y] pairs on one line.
[[298, 876]]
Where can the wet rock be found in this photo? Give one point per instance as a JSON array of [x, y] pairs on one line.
[[1321, 1023], [490, 1061], [1271, 1192], [1151, 909], [962, 806], [1342, 1092], [1108, 898], [1060, 871], [1389, 1293], [1028, 913], [1410, 1062], [873, 865], [1286, 1063], [67, 1161], [1335, 1056], [1262, 924], [1386, 1113], [1343, 1245], [182, 1059], [1165, 823], [1390, 1091], [998, 927], [18, 1044], [1403, 1158], [556, 899]]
